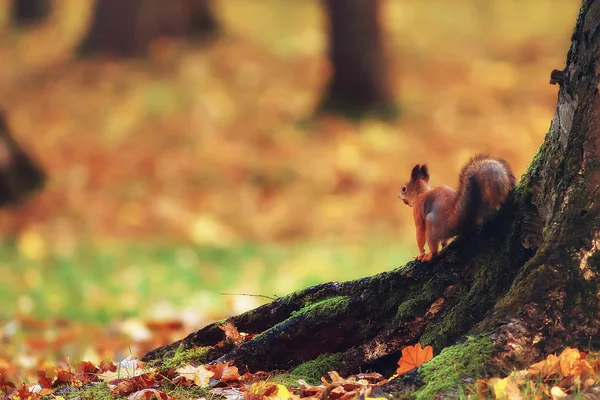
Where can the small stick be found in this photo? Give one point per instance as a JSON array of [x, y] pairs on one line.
[[251, 295]]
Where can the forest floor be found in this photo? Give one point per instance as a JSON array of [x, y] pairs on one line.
[[200, 171]]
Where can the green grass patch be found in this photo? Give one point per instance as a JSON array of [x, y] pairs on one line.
[[98, 283]]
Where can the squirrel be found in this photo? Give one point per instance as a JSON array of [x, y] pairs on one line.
[[442, 213]]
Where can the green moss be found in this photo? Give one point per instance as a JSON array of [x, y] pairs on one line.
[[182, 357], [445, 372], [99, 391], [313, 370], [324, 308], [287, 380], [416, 303]]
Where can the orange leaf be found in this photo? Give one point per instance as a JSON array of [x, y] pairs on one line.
[[569, 361], [413, 357], [545, 368], [224, 372], [584, 370], [231, 333]]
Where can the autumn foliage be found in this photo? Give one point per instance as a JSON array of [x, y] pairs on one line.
[[572, 371]]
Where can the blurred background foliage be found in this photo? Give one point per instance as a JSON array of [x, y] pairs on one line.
[[193, 148]]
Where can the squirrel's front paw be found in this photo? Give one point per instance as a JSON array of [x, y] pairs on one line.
[[426, 257]]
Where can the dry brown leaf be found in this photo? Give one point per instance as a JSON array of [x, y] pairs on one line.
[[231, 333], [224, 372], [545, 368]]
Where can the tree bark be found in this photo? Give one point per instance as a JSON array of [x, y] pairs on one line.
[[528, 279], [127, 28], [359, 82]]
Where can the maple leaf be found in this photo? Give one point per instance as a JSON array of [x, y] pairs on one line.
[[88, 372], [23, 393], [107, 366], [199, 375], [5, 385], [43, 380], [231, 333], [64, 374], [413, 357]]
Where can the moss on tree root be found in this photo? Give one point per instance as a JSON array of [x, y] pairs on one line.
[[374, 317]]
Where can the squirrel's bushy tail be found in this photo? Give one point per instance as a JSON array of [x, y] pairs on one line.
[[484, 185]]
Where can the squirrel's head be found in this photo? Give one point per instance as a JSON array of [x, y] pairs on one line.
[[418, 183]]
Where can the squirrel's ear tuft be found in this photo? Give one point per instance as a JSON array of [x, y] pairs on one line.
[[414, 174], [424, 172]]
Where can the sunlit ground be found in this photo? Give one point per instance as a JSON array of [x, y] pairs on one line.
[[200, 170]]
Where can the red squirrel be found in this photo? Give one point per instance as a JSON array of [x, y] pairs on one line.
[[442, 213]]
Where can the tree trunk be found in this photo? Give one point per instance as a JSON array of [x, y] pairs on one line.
[[359, 83], [30, 11], [19, 175], [528, 279], [127, 28]]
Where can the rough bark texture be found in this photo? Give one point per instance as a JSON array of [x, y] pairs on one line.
[[528, 280], [554, 300], [127, 28], [359, 82]]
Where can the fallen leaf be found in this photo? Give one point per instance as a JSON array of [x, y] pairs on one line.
[[199, 375], [413, 357], [569, 360], [282, 392], [145, 394], [224, 372], [557, 393], [545, 368], [231, 333]]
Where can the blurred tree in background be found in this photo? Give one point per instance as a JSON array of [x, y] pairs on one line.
[[30, 11], [127, 28], [359, 83], [19, 174]]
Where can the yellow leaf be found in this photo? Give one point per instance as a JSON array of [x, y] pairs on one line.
[[569, 360], [31, 245], [348, 157], [499, 387], [199, 375], [282, 392], [207, 230], [557, 393]]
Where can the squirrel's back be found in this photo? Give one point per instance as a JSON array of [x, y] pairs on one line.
[[484, 185]]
